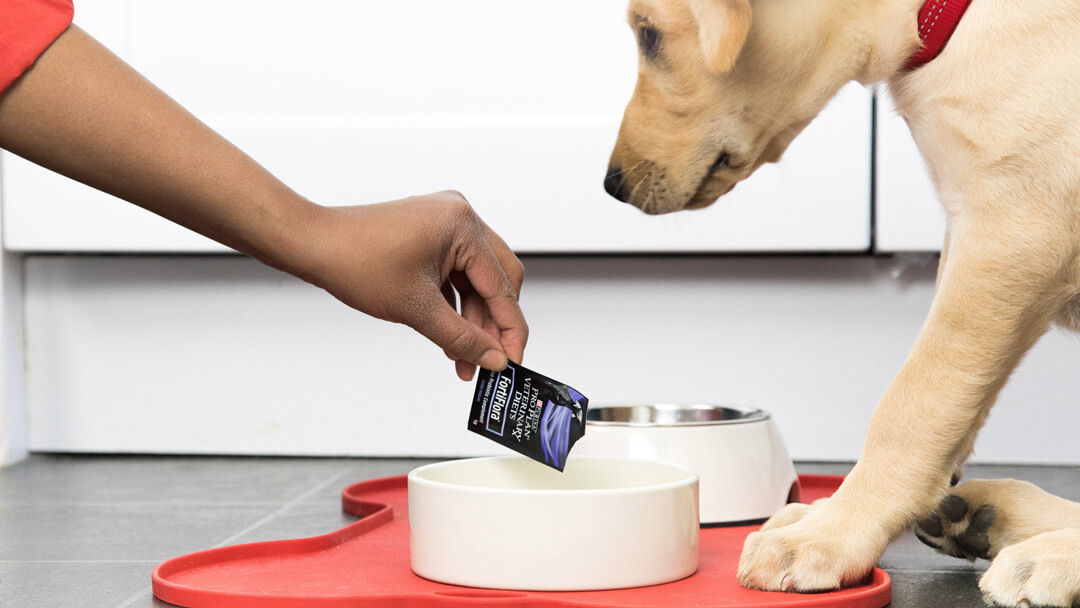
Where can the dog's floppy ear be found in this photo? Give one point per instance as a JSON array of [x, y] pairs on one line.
[[722, 29]]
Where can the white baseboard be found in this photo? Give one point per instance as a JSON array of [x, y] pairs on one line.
[[13, 423]]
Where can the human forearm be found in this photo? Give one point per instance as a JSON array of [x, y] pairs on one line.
[[83, 112]]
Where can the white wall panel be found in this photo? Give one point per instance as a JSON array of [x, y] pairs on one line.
[[13, 424], [222, 355], [516, 106], [908, 216]]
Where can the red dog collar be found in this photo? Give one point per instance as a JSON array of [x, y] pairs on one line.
[[937, 20]]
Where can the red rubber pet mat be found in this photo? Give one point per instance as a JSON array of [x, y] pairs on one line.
[[366, 564]]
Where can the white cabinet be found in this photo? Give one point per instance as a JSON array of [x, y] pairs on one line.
[[515, 104], [908, 216]]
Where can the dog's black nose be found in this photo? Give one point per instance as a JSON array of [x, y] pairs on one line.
[[615, 183]]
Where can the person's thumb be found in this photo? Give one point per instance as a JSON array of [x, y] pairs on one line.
[[460, 339]]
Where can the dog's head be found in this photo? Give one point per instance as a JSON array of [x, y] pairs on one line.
[[722, 88]]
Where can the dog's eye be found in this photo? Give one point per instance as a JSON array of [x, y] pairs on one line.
[[649, 39]]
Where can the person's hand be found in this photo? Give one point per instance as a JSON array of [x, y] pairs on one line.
[[83, 112], [403, 261]]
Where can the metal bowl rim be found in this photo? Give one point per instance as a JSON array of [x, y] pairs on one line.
[[746, 415]]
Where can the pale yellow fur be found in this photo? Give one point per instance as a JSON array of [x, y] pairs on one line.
[[997, 118]]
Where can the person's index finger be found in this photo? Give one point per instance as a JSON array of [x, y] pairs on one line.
[[506, 313], [459, 338], [514, 340], [490, 282], [510, 263]]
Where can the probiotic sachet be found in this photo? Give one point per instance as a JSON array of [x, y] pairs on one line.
[[528, 412]]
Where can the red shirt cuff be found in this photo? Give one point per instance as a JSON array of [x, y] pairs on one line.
[[27, 28]]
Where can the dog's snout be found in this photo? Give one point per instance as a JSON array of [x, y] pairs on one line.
[[615, 183]]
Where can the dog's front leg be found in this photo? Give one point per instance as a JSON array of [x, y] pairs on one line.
[[998, 290]]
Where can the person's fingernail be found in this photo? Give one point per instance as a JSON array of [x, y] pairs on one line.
[[493, 360], [465, 370]]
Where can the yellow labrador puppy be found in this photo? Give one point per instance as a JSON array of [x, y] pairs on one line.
[[725, 85]]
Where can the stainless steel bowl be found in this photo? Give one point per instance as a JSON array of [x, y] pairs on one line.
[[671, 414], [745, 470]]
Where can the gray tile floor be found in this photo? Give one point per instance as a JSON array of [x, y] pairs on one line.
[[86, 531]]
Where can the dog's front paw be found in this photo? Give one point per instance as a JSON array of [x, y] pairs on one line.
[[962, 527], [981, 517], [1041, 571], [792, 513], [809, 555]]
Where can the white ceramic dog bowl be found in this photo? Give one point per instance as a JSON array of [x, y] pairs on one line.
[[511, 523], [745, 470]]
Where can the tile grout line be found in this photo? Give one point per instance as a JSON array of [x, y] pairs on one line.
[[935, 570], [77, 561], [284, 508], [134, 504], [138, 596], [265, 520]]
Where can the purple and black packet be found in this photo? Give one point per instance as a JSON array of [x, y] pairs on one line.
[[529, 413]]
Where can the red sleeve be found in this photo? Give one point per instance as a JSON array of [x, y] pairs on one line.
[[27, 28]]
